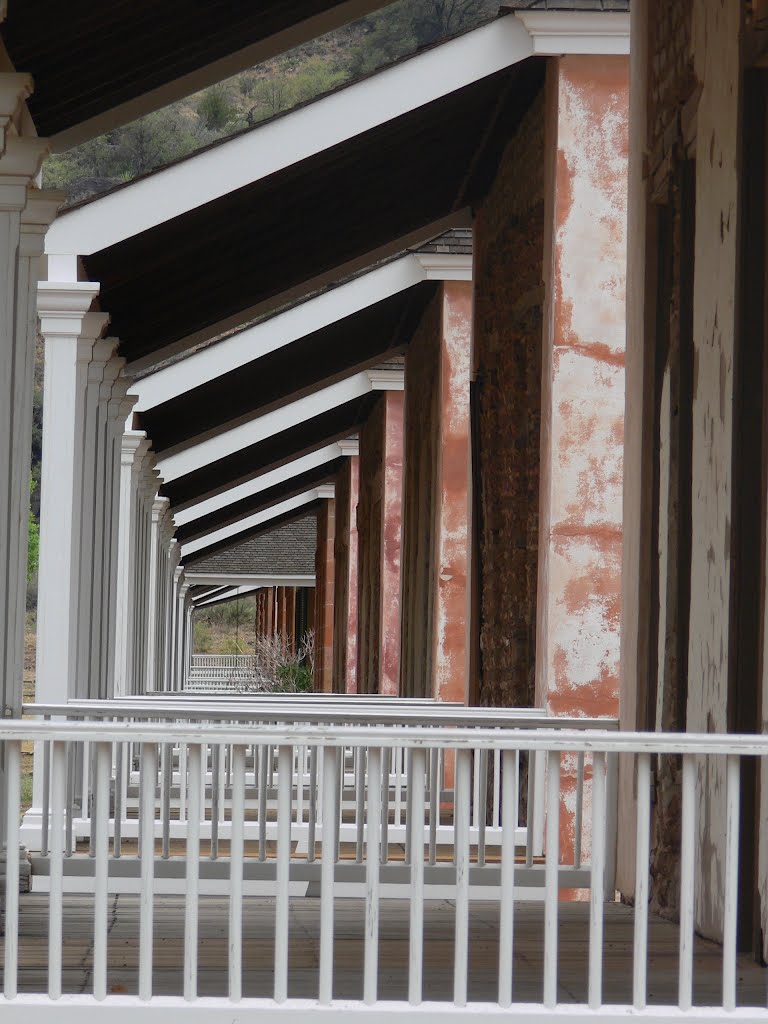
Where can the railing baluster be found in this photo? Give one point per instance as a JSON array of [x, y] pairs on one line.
[[300, 752], [417, 765], [312, 804], [495, 818], [476, 788], [102, 764], [530, 815], [551, 879], [182, 782], [687, 869], [731, 901], [263, 780], [147, 777], [642, 854], [284, 766], [69, 845], [482, 800], [167, 772], [329, 855], [192, 860], [372, 854], [408, 758], [13, 814], [434, 802], [56, 868], [236, 858], [386, 760], [215, 806], [461, 819], [360, 777], [595, 993], [510, 784], [46, 796], [340, 754], [579, 815]]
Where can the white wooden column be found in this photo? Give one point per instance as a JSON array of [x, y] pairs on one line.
[[36, 216], [134, 446], [19, 164], [155, 611], [174, 571], [91, 503], [70, 332]]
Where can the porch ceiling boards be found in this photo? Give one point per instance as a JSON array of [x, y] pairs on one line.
[[276, 450], [280, 376], [258, 242], [88, 59]]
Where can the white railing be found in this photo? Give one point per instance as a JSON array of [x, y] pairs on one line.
[[170, 821], [221, 672], [702, 758], [203, 662]]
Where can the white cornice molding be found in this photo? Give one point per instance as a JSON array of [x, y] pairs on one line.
[[248, 579], [349, 446], [326, 491], [446, 266], [555, 33], [386, 378]]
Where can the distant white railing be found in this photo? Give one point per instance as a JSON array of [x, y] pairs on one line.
[[221, 672], [171, 818], [71, 743]]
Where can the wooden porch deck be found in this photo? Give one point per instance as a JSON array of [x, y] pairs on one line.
[[258, 931]]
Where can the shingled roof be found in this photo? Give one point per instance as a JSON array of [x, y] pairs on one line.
[[565, 5], [288, 550]]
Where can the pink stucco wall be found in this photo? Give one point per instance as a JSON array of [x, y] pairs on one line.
[[451, 605], [582, 429], [391, 543]]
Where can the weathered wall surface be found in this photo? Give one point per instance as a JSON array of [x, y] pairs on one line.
[[420, 457], [435, 606], [323, 610], [716, 39], [391, 542], [369, 532], [452, 540], [582, 420], [345, 581], [509, 295]]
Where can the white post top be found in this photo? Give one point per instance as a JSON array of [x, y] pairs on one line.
[[36, 217], [350, 446], [387, 378], [131, 445], [64, 308], [20, 164], [326, 491]]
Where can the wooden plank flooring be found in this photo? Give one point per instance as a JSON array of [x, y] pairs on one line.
[[258, 918]]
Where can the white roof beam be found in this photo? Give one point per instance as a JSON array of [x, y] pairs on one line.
[[258, 519], [183, 459], [237, 579], [280, 330], [216, 71], [227, 594], [284, 141], [282, 474]]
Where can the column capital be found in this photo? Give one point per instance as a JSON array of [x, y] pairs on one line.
[[112, 369], [130, 444], [103, 351], [38, 214], [64, 310], [159, 508], [15, 89], [350, 446], [20, 164]]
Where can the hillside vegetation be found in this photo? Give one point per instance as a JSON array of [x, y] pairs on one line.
[[261, 92]]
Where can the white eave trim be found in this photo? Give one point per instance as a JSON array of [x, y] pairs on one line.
[[261, 483], [258, 519], [289, 139], [446, 266], [245, 579], [555, 33]]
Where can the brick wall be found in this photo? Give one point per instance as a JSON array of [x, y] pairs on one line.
[[509, 245]]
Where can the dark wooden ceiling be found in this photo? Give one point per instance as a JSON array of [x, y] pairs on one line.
[[87, 58], [310, 363], [251, 245], [268, 454]]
